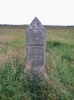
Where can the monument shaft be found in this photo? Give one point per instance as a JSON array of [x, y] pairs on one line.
[[35, 43]]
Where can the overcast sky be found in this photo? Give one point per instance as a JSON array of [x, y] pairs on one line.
[[49, 12]]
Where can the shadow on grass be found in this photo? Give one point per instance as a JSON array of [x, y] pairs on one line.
[[58, 44]]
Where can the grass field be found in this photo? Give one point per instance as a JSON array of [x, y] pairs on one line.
[[15, 82]]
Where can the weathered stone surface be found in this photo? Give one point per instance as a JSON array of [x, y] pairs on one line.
[[35, 43], [35, 38], [36, 53]]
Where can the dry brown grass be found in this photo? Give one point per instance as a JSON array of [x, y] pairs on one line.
[[62, 34], [6, 38], [10, 55]]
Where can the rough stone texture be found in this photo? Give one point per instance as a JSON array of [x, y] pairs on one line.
[[35, 43]]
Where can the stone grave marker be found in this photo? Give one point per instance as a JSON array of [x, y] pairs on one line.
[[35, 46]]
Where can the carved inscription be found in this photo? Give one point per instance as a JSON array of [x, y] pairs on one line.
[[36, 55]]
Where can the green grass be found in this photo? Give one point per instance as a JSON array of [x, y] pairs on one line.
[[17, 84]]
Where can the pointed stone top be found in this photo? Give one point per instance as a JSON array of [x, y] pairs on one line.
[[36, 18], [36, 24]]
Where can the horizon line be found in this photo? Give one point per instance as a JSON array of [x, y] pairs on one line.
[[29, 24]]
